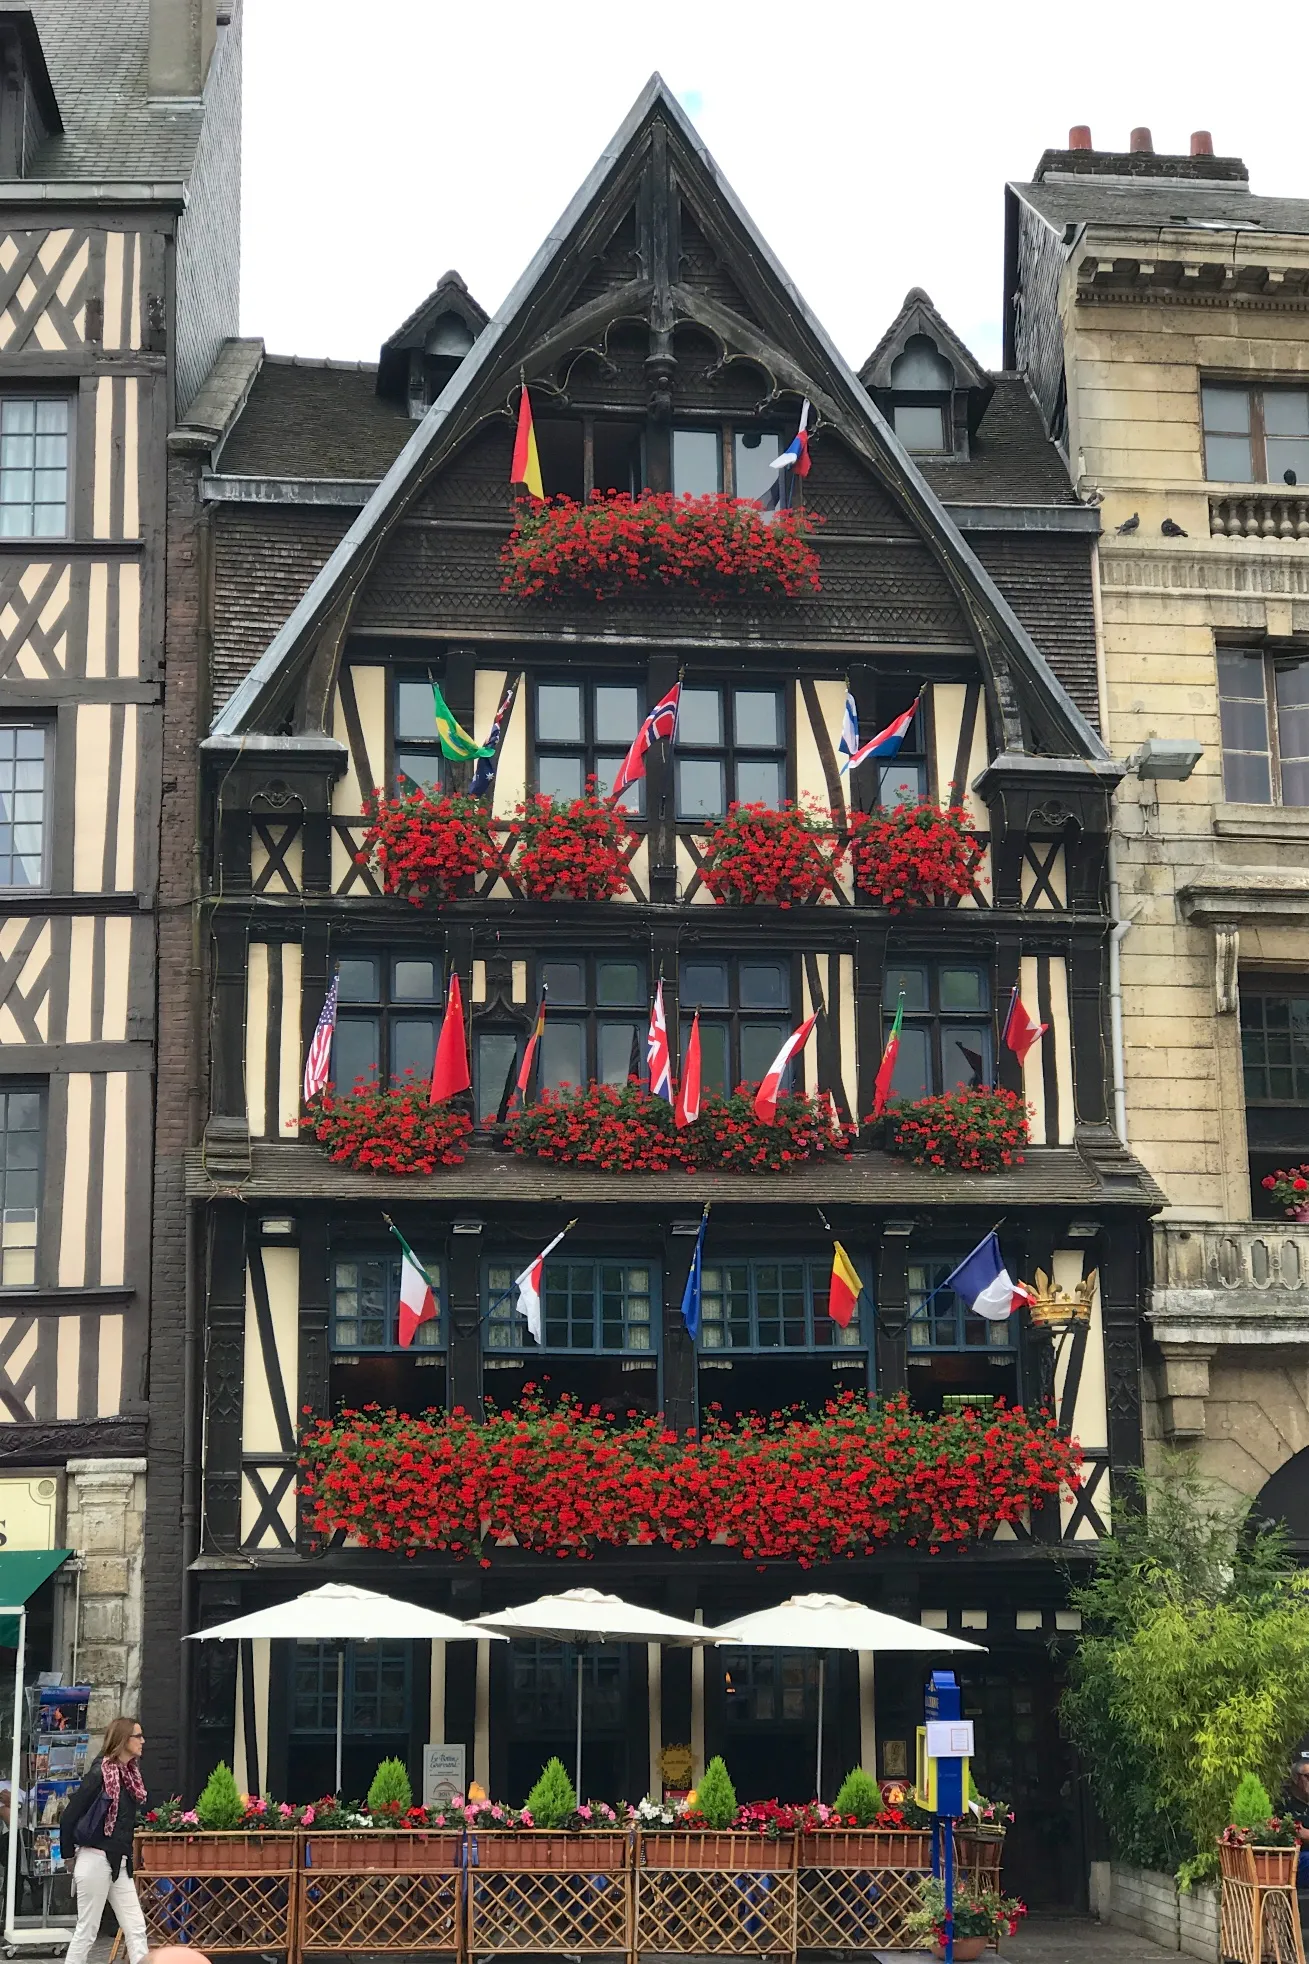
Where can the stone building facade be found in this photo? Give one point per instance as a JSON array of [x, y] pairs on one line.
[[1162, 312]]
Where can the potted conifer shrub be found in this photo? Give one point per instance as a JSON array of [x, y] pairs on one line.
[[863, 1829], [1258, 1846]]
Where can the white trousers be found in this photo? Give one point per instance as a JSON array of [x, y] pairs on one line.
[[94, 1886]]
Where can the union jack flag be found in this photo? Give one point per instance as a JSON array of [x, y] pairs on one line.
[[319, 1061], [656, 1049], [659, 725]]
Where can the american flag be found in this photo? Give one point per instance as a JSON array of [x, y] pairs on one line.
[[318, 1062]]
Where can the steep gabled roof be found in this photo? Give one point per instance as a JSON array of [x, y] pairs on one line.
[[917, 315], [448, 296], [759, 313]]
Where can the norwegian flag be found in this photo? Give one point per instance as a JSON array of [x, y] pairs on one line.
[[659, 726], [319, 1061], [656, 1049]]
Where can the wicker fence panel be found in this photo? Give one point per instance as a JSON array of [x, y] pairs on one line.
[[218, 1892], [1259, 1925], [858, 1909], [380, 1910]]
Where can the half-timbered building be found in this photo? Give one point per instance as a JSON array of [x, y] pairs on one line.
[[119, 173], [350, 523]]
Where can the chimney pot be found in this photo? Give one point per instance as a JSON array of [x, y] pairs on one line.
[[1202, 144], [1141, 141], [1079, 137]]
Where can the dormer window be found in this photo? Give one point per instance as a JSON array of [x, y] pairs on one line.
[[921, 385]]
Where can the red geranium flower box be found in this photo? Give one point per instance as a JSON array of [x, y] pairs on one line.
[[784, 855], [388, 1131], [919, 855], [975, 1129], [570, 851], [616, 544], [427, 848]]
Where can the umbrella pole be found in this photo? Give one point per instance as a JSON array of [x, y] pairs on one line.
[[577, 1764], [822, 1680], [340, 1714]]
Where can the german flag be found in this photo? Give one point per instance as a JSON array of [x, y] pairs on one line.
[[526, 467]]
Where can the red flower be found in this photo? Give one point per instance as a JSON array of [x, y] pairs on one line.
[[759, 853], [621, 1129], [619, 544], [427, 848], [915, 856], [574, 850], [1289, 1189], [976, 1128], [394, 1131]]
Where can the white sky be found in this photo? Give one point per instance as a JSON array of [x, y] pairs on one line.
[[386, 142]]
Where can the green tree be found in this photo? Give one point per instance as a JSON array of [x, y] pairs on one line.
[[860, 1796], [220, 1805], [390, 1792], [1251, 1806], [553, 1800], [716, 1796], [1193, 1669]]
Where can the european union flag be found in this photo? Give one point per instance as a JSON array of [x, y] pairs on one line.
[[691, 1293]]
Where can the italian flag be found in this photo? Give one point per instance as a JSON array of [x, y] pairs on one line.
[[846, 1287], [417, 1296], [886, 1069]]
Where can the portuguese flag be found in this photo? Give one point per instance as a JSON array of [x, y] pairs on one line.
[[455, 742], [846, 1287], [417, 1296], [886, 1069]]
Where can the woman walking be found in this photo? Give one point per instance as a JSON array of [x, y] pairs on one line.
[[95, 1839]]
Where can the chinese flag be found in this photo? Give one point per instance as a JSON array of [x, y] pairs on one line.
[[450, 1066]]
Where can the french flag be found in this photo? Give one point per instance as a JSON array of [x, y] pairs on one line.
[[887, 742]]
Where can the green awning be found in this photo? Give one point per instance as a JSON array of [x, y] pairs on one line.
[[22, 1571]]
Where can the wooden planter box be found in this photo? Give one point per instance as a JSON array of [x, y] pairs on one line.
[[978, 1854], [206, 1852], [219, 1892], [867, 1848], [381, 1889], [712, 1894], [390, 1849], [542, 1891]]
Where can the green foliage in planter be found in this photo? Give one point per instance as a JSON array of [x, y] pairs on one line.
[[220, 1805], [390, 1792], [552, 1801], [1251, 1805], [1192, 1670], [715, 1797], [859, 1795]]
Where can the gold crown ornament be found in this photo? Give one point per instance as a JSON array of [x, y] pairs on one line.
[[1054, 1308]]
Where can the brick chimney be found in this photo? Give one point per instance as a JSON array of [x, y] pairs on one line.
[[182, 35], [1140, 161]]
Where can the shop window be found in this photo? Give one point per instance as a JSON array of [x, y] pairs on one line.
[[745, 1015], [947, 1037], [22, 1136], [1256, 435], [731, 749], [584, 730], [1275, 1062], [24, 803], [1264, 707], [600, 1328], [369, 1365], [377, 1712], [416, 752], [952, 1352], [34, 456], [767, 1342], [388, 1019], [767, 1704], [597, 1016]]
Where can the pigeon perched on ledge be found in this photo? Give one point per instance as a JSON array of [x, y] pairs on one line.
[[1129, 524], [1171, 530]]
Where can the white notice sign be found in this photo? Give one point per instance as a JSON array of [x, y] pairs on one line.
[[443, 1774], [950, 1739]]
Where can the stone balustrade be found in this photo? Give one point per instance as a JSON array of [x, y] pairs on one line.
[[1260, 515]]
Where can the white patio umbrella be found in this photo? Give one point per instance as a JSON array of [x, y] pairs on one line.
[[581, 1616], [340, 1613], [833, 1623]]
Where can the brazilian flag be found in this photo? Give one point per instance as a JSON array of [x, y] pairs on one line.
[[456, 744]]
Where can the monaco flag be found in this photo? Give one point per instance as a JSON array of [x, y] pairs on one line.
[[765, 1102], [528, 1287]]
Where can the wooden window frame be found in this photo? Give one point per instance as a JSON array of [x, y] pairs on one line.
[[424, 1345], [937, 1267], [729, 751], [388, 1009], [1255, 393], [396, 743], [38, 392], [333, 1653], [39, 1088], [734, 1015], [47, 727], [591, 1013], [1271, 987], [589, 748], [1270, 659], [817, 1274], [500, 1315], [937, 1020]]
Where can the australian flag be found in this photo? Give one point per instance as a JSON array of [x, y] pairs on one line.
[[484, 772]]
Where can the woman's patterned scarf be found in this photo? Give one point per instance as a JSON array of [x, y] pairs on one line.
[[116, 1775]]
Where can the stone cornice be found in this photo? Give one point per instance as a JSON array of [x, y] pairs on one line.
[[1237, 897], [1234, 1316]]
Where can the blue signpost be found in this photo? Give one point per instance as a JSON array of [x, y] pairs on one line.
[[945, 1745]]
